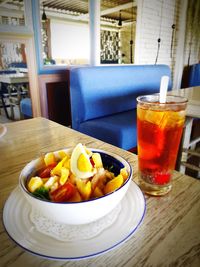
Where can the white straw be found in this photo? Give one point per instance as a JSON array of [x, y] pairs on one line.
[[163, 88]]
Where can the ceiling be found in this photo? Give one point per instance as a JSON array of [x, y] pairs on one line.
[[110, 9]]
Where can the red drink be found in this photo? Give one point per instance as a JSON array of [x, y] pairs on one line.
[[159, 133]]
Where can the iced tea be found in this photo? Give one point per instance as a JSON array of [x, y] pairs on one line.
[[160, 128]]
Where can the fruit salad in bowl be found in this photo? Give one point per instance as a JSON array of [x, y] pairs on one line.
[[75, 186]]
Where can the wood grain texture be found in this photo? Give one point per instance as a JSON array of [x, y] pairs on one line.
[[168, 236]]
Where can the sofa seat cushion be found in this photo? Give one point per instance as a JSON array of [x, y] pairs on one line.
[[118, 129]]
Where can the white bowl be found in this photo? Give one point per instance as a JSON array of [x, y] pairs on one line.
[[76, 212]]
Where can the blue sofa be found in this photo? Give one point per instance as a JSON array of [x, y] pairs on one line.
[[103, 100], [26, 108], [194, 75]]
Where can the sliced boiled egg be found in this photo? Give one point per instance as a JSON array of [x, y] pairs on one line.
[[80, 163]]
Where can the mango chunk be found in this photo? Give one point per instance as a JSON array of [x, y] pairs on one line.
[[57, 169], [49, 158], [34, 183], [97, 192], [124, 173], [113, 184], [62, 154], [85, 189], [64, 175], [67, 164], [97, 160]]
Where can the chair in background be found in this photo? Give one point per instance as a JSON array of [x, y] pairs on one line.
[[4, 100], [190, 160], [11, 93], [15, 95], [26, 108]]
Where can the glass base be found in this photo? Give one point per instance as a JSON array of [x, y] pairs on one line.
[[154, 190]]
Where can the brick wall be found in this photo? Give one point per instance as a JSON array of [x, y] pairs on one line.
[[156, 20], [192, 38], [125, 34]]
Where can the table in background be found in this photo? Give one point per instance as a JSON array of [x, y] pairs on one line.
[[169, 234], [192, 112], [15, 82]]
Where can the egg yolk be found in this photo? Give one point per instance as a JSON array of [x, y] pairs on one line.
[[84, 164]]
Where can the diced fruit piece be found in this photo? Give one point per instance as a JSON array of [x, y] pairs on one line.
[[85, 188], [62, 154], [97, 192], [114, 184], [99, 179], [57, 169], [76, 197], [51, 181], [63, 193], [49, 158], [97, 160], [54, 187], [124, 173], [67, 164], [64, 175], [34, 183], [47, 171], [72, 178]]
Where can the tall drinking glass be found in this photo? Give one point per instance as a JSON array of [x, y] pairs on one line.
[[160, 127]]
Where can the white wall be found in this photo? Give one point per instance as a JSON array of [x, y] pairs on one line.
[[156, 18], [69, 40]]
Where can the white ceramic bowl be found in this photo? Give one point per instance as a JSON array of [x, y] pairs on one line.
[[77, 212]]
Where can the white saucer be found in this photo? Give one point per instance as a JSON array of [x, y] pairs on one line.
[[18, 224]]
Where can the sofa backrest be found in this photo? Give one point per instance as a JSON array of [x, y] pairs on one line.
[[194, 75], [104, 90]]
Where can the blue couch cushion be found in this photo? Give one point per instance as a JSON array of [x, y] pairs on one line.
[[194, 76], [26, 107], [118, 129], [104, 90]]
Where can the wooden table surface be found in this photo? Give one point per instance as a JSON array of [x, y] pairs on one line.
[[168, 236]]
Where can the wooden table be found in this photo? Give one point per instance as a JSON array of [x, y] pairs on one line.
[[168, 236], [192, 112]]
